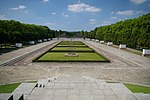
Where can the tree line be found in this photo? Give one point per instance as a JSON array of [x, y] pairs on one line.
[[12, 31], [135, 33]]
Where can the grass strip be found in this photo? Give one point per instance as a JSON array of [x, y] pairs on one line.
[[8, 88], [68, 49], [60, 57], [138, 88]]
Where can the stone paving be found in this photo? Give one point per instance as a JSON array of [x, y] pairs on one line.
[[120, 69], [23, 88], [124, 66], [74, 89], [5, 96], [84, 88], [136, 59], [68, 88], [8, 56]]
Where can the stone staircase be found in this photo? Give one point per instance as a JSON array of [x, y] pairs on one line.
[[68, 88], [85, 88]]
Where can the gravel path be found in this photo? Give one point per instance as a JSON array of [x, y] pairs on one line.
[[122, 68]]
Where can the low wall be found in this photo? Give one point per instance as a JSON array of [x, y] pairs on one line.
[[102, 42], [109, 43], [146, 52], [18, 45], [31, 42], [122, 46], [40, 41]]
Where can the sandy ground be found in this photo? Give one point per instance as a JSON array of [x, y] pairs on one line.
[[120, 69]]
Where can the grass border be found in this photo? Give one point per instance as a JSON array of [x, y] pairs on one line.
[[9, 88], [73, 46], [36, 58], [135, 88], [90, 50], [81, 43]]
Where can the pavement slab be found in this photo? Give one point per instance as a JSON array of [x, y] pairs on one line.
[[61, 92], [5, 96]]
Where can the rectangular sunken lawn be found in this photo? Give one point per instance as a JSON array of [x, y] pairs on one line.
[[57, 54], [60, 57], [59, 45], [68, 49], [73, 42]]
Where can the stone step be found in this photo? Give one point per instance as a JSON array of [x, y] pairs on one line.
[[42, 83], [5, 96], [129, 96], [69, 79], [52, 79], [23, 89], [119, 88], [142, 96], [122, 91], [85, 88]]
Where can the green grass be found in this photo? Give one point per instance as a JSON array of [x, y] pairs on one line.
[[59, 45], [138, 88], [8, 88], [60, 56], [68, 42], [111, 82], [32, 82], [64, 49], [57, 54]]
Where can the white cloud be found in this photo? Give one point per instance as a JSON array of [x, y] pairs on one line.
[[129, 12], [50, 24], [80, 7], [126, 12], [93, 21], [45, 1], [138, 1], [53, 13], [139, 12], [3, 17], [113, 17], [20, 7], [112, 12], [65, 15]]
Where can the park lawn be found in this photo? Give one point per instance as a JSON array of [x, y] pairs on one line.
[[32, 82], [8, 88], [60, 56], [74, 43], [63, 49], [138, 88], [83, 45]]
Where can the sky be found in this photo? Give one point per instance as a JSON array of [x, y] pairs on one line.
[[72, 15]]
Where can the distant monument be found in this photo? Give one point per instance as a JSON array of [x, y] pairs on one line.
[[71, 49]]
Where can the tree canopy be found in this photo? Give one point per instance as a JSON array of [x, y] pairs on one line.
[[13, 31], [135, 33]]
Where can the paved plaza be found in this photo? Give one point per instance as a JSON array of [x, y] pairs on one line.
[[71, 85], [84, 88], [68, 88]]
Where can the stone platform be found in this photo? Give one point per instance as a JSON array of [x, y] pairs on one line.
[[68, 88], [85, 88]]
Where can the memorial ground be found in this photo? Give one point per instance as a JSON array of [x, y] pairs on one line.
[[124, 66]]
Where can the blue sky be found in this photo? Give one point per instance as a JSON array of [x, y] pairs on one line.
[[72, 15]]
